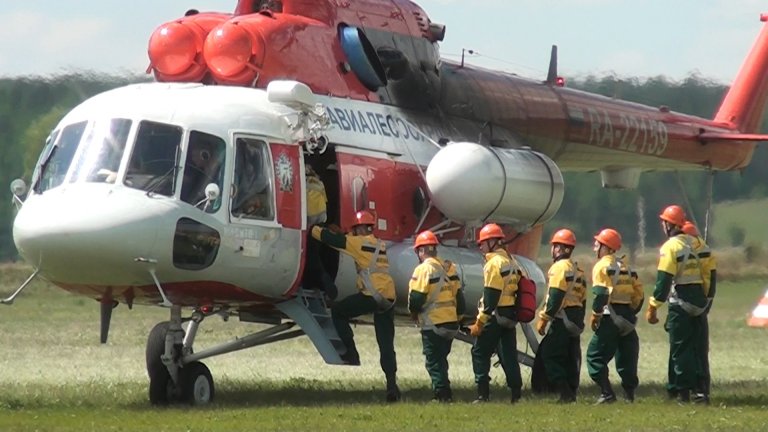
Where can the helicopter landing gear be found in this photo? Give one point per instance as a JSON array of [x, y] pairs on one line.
[[171, 379]]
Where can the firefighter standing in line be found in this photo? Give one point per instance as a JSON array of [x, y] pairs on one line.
[[564, 306], [618, 299], [376, 294], [709, 276], [687, 301], [315, 276], [436, 301], [496, 318]]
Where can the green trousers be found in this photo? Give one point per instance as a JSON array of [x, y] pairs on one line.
[[685, 356], [436, 349], [605, 343], [704, 379], [495, 337], [562, 357], [383, 322]]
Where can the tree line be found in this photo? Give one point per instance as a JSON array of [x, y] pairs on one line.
[[31, 107]]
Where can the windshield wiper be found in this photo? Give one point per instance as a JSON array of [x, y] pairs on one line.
[[160, 180]]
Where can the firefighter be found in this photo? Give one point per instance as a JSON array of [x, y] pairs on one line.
[[679, 279], [709, 276], [494, 327], [315, 276], [376, 294], [564, 307], [436, 301], [618, 299]]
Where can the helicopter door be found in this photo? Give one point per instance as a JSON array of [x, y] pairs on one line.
[[266, 214]]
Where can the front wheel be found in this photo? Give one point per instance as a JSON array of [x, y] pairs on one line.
[[196, 384]]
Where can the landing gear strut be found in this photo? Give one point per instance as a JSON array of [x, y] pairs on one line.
[[175, 371]]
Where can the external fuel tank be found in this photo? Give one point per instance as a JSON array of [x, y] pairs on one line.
[[470, 182]]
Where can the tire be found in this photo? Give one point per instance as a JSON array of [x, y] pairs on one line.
[[196, 384], [161, 387]]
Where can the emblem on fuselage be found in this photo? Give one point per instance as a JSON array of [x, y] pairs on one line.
[[284, 170]]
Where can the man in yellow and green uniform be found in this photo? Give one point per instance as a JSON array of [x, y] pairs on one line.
[[687, 301], [315, 276], [494, 327], [709, 277], [436, 301], [376, 294], [564, 307], [618, 299]]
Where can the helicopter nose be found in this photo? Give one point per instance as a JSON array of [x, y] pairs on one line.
[[86, 234]]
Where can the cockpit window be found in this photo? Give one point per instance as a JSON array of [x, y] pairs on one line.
[[252, 197], [204, 166], [56, 158], [102, 150], [155, 158], [44, 155]]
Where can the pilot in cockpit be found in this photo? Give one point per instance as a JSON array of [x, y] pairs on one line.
[[202, 168]]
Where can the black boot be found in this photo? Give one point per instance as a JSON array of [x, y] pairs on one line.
[[483, 392], [515, 397], [566, 393], [443, 395], [684, 396], [393, 391], [606, 391], [629, 394]]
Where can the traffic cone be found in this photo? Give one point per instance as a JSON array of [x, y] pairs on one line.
[[759, 316]]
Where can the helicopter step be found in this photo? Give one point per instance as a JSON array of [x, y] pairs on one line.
[[309, 310]]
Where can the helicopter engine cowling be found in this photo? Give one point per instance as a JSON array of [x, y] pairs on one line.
[[470, 182], [176, 47]]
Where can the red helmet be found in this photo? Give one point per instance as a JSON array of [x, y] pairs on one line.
[[425, 238], [564, 236], [609, 237], [673, 214], [690, 229], [490, 231], [365, 218]]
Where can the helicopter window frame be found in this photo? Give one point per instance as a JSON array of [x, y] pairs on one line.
[[259, 205], [204, 164], [57, 157], [101, 151], [149, 170]]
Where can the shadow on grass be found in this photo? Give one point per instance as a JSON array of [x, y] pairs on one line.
[[312, 394]]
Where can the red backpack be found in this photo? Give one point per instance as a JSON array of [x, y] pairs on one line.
[[525, 300]]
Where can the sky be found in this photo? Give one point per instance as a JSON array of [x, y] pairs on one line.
[[627, 38]]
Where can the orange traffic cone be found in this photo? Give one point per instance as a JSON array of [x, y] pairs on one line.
[[759, 316]]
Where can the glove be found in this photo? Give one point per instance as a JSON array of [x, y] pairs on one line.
[[650, 315], [541, 326], [594, 321], [476, 328]]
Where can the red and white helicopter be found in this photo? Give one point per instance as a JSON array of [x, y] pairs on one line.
[[189, 193]]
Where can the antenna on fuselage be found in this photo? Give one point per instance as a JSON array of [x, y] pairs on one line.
[[552, 72]]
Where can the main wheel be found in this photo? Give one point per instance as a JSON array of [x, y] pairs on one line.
[[161, 388], [196, 384]]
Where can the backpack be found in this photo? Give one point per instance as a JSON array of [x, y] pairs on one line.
[[525, 300]]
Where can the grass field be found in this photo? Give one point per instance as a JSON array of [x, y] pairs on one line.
[[56, 376]]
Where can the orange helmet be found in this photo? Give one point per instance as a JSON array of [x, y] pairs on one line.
[[365, 218], [690, 229], [609, 237], [673, 214], [564, 236], [490, 231], [425, 238]]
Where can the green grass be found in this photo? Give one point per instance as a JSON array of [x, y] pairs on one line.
[[54, 375], [746, 216]]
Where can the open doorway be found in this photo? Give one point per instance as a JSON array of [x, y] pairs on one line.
[[326, 167]]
